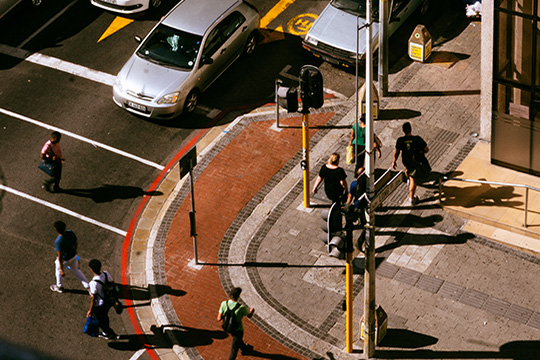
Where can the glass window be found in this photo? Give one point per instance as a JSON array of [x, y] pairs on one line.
[[171, 47], [232, 22], [513, 53], [520, 6], [357, 7], [512, 101]]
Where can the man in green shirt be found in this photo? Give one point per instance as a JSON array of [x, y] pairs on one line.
[[237, 333]]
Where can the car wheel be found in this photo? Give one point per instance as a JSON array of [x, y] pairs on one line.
[[251, 44], [191, 101], [424, 7], [155, 3], [36, 2]]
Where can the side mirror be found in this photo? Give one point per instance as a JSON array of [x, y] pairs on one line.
[[138, 39], [207, 60]]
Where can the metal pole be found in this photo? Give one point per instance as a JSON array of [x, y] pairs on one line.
[[526, 205], [356, 86], [383, 47], [278, 83], [192, 214], [349, 301], [369, 273], [305, 157]]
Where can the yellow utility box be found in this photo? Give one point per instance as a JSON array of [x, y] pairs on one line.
[[381, 324], [420, 44], [362, 101]]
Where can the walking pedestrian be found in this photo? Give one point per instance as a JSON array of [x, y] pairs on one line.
[[66, 257], [357, 189], [413, 149], [239, 311], [335, 180], [358, 142], [99, 307], [52, 153]]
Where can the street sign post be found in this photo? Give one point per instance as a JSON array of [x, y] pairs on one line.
[[187, 163]]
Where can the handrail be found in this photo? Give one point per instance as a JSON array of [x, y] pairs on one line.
[[527, 188]]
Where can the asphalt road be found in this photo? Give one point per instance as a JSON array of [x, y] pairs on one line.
[[104, 186]]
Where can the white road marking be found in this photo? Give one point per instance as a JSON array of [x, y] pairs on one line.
[[82, 138], [47, 24], [63, 210], [58, 64], [138, 354]]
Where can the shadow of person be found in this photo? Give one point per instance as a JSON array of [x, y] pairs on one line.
[[109, 193], [404, 238], [480, 195], [133, 292]]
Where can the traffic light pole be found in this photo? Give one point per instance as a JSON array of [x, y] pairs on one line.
[[369, 271], [305, 157]]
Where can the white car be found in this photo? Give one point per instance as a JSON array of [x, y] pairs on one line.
[[332, 36], [126, 6], [183, 54]]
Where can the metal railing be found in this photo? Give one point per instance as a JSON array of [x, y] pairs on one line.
[[526, 187]]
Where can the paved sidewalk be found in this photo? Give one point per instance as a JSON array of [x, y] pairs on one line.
[[449, 292]]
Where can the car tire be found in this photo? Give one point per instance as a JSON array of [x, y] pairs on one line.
[[36, 2], [155, 3], [251, 43], [191, 101]]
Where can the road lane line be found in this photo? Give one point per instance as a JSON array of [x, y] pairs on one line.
[[274, 12], [63, 210], [46, 24], [58, 64], [82, 138], [137, 354]]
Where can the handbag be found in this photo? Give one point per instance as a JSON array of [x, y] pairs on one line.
[[47, 167], [91, 327], [350, 154]]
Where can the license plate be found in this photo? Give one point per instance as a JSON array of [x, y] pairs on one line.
[[136, 106]]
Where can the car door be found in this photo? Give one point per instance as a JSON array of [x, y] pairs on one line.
[[223, 44], [400, 11]]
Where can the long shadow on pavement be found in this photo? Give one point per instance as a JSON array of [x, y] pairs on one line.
[[108, 193]]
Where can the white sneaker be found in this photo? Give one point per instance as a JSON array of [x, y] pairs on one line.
[[57, 289]]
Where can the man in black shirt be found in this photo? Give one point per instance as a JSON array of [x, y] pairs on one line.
[[413, 149]]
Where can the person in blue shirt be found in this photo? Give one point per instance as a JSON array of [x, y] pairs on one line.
[[66, 257]]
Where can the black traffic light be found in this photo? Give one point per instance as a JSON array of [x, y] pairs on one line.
[[311, 87], [287, 98], [332, 225]]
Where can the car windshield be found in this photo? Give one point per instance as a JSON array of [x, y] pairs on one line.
[[171, 47], [357, 7]]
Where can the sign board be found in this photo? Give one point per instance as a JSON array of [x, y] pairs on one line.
[[385, 186], [188, 162]]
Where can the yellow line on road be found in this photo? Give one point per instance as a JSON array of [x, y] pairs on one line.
[[117, 24], [275, 11]]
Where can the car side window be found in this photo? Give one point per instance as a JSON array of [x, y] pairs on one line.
[[213, 42], [223, 31], [231, 23]]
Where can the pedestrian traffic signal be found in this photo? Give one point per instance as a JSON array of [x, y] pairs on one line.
[[311, 87], [332, 225], [287, 98]]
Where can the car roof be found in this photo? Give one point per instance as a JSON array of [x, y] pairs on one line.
[[196, 16]]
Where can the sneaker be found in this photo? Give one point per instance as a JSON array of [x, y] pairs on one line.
[[108, 337], [414, 201], [57, 288]]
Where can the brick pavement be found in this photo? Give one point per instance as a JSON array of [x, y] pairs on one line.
[[223, 188]]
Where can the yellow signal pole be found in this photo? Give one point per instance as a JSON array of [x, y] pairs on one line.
[[305, 157]]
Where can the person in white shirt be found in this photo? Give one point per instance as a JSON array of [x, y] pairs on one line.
[[98, 306]]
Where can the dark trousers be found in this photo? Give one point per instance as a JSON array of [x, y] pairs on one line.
[[56, 176], [237, 343], [102, 314]]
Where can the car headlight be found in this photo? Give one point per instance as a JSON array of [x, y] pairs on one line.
[[311, 40], [171, 98]]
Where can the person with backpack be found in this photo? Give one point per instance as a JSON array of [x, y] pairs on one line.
[[231, 313], [102, 300]]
